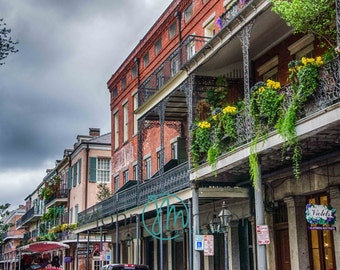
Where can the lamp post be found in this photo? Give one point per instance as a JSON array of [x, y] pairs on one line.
[[225, 216]]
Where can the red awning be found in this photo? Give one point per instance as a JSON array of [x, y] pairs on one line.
[[44, 246]]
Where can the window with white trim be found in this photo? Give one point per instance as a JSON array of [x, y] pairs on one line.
[[158, 46], [135, 107], [188, 12], [147, 168], [116, 125], [126, 121], [116, 182], [103, 170], [126, 176], [172, 30]]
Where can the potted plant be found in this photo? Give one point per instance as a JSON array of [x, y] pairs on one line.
[[200, 141], [266, 105], [223, 131], [304, 76]]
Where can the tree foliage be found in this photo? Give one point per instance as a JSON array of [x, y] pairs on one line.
[[309, 16], [4, 213], [7, 45], [103, 192]]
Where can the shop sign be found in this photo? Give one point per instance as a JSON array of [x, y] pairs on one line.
[[262, 235], [320, 215], [67, 259], [174, 214]]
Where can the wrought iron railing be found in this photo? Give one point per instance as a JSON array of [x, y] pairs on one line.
[[171, 66], [188, 48], [34, 211], [232, 11], [170, 182], [58, 195]]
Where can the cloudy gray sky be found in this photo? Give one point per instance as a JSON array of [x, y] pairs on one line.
[[54, 88]]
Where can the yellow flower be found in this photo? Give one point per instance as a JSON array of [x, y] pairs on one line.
[[229, 109], [319, 60], [203, 124], [273, 84]]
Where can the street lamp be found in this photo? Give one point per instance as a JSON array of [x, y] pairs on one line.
[[214, 224], [225, 216]]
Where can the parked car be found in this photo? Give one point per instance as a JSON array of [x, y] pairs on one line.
[[125, 267]]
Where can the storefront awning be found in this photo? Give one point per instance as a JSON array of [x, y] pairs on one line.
[[44, 246]]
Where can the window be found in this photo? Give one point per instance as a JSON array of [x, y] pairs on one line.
[[172, 30], [71, 215], [100, 170], [126, 176], [103, 170], [135, 107], [191, 49], [114, 93], [124, 83], [76, 211], [174, 65], [321, 242], [116, 182], [75, 173], [159, 158], [126, 122], [134, 72], [116, 124], [148, 168], [174, 150], [269, 70], [209, 28], [146, 59], [304, 47], [158, 46], [135, 172], [160, 79], [188, 13]]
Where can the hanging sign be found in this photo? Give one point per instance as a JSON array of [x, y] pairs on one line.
[[208, 244], [262, 235], [317, 214]]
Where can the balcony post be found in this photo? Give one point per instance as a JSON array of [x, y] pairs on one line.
[[244, 37], [259, 212], [196, 225]]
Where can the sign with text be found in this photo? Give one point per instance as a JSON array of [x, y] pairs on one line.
[[262, 233], [320, 214], [208, 244]]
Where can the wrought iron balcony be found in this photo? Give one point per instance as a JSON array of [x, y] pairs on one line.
[[170, 182], [59, 196], [171, 66], [31, 215], [189, 47]]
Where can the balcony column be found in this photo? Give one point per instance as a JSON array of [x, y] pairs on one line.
[[259, 213], [334, 195], [141, 138], [244, 37], [195, 225], [161, 112]]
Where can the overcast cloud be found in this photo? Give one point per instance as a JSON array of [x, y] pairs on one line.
[[54, 88]]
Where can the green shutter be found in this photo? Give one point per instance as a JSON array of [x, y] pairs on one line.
[[74, 170], [93, 170], [69, 178], [79, 170]]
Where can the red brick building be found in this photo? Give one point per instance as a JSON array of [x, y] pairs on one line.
[[171, 192]]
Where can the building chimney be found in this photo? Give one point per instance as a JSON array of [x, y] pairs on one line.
[[94, 132]]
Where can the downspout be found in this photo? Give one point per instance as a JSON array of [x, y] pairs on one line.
[[87, 175], [178, 14]]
